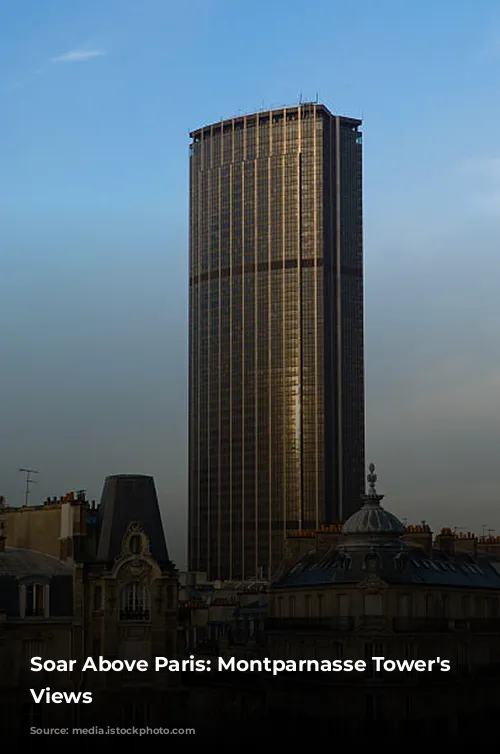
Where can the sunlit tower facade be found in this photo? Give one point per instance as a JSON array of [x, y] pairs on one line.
[[276, 367]]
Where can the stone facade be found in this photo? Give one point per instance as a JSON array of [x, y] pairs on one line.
[[111, 592]]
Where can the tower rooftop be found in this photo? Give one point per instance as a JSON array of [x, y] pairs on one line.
[[277, 112]]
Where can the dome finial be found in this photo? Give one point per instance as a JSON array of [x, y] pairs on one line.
[[372, 479], [371, 520]]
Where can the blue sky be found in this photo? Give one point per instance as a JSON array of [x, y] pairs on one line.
[[97, 100]]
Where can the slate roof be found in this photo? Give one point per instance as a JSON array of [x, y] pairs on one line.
[[128, 498], [20, 562], [372, 544], [398, 563]]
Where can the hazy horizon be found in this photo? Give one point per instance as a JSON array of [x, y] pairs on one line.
[[98, 101]]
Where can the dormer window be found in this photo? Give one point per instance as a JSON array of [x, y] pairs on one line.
[[34, 600], [400, 561]]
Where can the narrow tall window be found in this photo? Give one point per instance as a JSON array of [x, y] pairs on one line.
[[97, 598], [135, 602], [320, 605], [307, 606], [344, 606], [403, 605], [35, 601], [429, 606], [373, 604]]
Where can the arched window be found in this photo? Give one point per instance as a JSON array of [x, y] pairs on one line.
[[135, 602]]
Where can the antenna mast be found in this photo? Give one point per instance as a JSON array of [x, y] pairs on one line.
[[29, 482]]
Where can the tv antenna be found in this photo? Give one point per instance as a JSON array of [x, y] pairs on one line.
[[29, 482]]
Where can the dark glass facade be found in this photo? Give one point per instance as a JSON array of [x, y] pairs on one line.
[[276, 373]]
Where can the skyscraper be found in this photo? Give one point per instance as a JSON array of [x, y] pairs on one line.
[[276, 369]]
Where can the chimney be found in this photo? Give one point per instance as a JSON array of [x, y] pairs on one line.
[[446, 542], [328, 536], [2, 536], [466, 542], [420, 535], [490, 545]]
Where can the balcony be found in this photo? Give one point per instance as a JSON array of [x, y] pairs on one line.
[[422, 625], [313, 625], [34, 612], [443, 625], [134, 615], [484, 625]]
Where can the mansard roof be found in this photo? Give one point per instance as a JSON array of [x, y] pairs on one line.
[[129, 499], [19, 562], [398, 564]]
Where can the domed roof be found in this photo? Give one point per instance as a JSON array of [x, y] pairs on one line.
[[372, 520]]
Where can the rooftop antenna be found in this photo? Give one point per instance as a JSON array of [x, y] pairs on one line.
[[317, 98], [29, 482], [300, 98]]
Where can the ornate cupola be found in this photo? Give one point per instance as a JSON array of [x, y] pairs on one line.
[[372, 523]]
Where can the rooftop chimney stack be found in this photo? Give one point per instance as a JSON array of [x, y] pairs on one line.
[[420, 535], [446, 541]]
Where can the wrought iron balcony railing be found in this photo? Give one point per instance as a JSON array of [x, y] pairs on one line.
[[316, 625], [422, 625], [135, 614]]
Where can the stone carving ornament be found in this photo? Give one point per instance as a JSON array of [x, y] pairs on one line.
[[136, 570], [134, 529]]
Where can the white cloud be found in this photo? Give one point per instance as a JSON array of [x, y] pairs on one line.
[[78, 56]]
